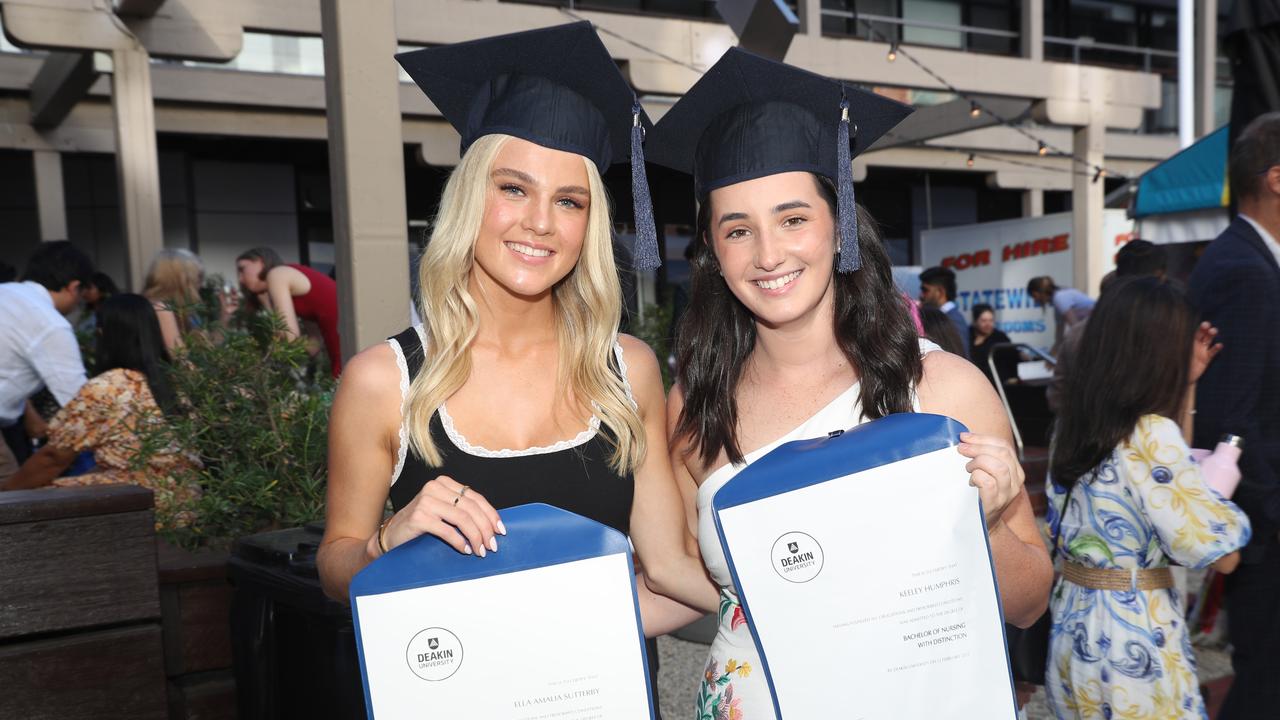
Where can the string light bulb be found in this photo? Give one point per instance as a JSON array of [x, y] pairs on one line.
[[974, 110], [893, 52], [1043, 149], [969, 162]]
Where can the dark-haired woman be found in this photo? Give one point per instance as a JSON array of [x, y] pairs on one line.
[[105, 417], [939, 330], [295, 292], [983, 336], [1126, 501], [787, 338]]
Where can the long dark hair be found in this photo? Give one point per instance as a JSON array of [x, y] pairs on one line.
[[270, 259], [717, 334], [939, 328], [1134, 360], [129, 338]]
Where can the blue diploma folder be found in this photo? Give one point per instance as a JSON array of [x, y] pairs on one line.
[[804, 463], [538, 536]]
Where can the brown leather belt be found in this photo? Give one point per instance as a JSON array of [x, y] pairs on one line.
[[1111, 579]]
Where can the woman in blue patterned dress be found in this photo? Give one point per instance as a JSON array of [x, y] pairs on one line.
[[1126, 501]]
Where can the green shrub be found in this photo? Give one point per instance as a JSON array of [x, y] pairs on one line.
[[255, 412]]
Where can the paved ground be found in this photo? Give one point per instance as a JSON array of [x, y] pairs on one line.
[[682, 663]]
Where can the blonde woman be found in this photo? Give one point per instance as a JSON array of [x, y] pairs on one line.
[[173, 287], [517, 388]]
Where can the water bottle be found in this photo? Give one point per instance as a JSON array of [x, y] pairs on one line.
[[1221, 469]]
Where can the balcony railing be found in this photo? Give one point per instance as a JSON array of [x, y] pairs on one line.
[[887, 28]]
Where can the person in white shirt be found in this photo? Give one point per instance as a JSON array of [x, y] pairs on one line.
[[38, 348]]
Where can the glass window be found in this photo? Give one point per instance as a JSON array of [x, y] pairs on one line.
[[932, 12]]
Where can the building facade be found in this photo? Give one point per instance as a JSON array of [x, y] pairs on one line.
[[239, 99]]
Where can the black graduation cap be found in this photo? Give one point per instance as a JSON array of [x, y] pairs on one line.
[[749, 117], [557, 87]]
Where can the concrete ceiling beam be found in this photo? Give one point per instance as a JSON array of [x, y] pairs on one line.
[[949, 118], [64, 79], [67, 25], [186, 29], [1119, 144], [189, 30], [138, 8], [676, 51]]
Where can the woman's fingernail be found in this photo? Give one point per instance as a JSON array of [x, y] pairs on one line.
[[493, 544], [502, 528], [467, 548], [480, 552]]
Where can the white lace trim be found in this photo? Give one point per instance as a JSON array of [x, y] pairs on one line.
[[622, 367], [456, 437], [422, 336], [403, 449]]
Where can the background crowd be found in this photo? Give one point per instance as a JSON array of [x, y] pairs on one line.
[[1165, 398], [1152, 369], [87, 373]]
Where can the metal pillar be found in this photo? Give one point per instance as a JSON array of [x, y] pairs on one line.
[[1206, 66], [137, 161], [1032, 33], [1032, 202], [1186, 72], [366, 167], [1087, 200], [51, 202]]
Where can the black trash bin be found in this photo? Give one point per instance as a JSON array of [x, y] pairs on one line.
[[294, 649]]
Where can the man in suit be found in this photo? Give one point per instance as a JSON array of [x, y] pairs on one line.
[[1236, 284], [938, 288]]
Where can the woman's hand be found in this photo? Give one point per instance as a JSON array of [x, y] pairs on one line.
[[1203, 350], [449, 510], [995, 471]]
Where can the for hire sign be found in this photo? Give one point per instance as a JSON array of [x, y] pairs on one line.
[[994, 261]]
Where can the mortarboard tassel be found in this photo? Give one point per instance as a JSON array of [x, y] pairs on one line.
[[850, 258], [646, 248]]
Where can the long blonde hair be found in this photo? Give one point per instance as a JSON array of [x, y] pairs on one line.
[[588, 305], [174, 278]]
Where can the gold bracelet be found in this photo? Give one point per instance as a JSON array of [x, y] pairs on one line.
[[382, 535]]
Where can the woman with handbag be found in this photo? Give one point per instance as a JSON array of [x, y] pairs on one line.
[[1126, 501]]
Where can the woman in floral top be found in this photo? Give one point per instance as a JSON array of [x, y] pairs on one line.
[[105, 417], [1127, 500]]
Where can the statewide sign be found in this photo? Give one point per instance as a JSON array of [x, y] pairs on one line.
[[994, 261]]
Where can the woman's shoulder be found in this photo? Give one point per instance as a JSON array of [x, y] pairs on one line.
[[116, 377], [112, 384], [953, 386], [640, 366], [1158, 428], [374, 371], [636, 353]]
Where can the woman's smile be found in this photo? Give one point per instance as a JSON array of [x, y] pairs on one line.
[[528, 252], [778, 284]]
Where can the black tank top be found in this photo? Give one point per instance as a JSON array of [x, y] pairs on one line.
[[574, 474]]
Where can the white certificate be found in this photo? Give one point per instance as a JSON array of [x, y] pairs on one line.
[[866, 576], [540, 639]]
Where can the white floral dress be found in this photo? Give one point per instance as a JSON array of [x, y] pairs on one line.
[[1127, 654]]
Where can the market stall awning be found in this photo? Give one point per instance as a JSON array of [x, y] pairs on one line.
[[1194, 179]]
